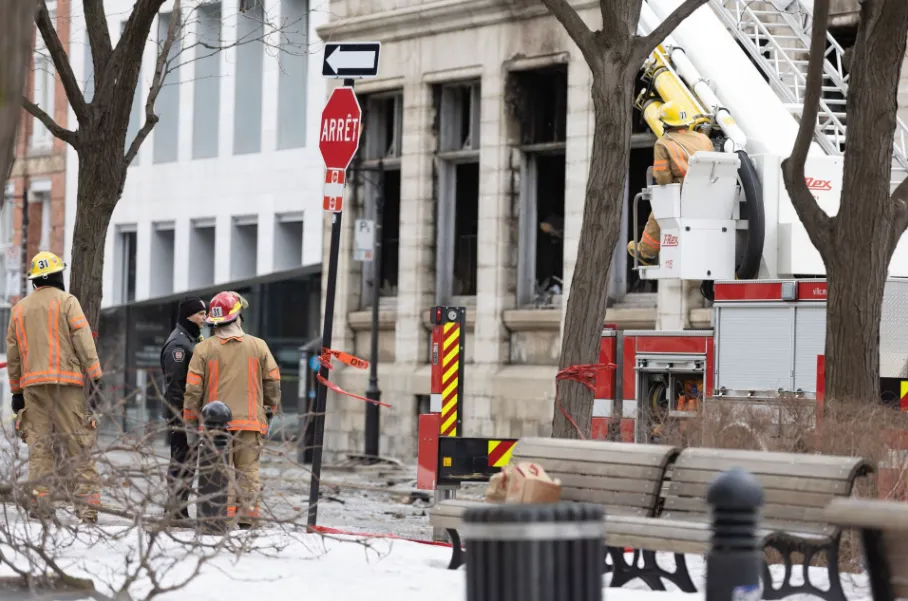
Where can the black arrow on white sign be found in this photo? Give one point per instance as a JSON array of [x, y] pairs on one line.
[[351, 59]]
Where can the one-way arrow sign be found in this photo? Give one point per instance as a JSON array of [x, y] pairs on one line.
[[351, 60]]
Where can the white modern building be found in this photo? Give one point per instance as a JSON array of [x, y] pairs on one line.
[[228, 185]]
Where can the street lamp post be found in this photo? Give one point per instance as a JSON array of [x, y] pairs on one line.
[[372, 391]]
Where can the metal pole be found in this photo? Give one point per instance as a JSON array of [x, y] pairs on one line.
[[25, 262], [735, 559], [373, 392], [321, 398]]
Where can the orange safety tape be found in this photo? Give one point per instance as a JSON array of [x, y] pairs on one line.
[[343, 357], [340, 390], [586, 375]]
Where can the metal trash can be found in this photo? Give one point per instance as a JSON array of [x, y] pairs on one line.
[[552, 552]]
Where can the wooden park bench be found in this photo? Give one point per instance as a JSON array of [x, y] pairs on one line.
[[797, 488], [625, 478], [884, 535]]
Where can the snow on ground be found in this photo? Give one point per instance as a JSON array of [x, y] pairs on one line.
[[335, 568], [375, 500]]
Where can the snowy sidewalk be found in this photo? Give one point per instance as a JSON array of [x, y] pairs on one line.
[[312, 567]]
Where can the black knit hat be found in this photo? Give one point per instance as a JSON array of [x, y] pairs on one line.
[[191, 306]]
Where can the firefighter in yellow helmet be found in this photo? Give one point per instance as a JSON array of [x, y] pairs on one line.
[[240, 371], [50, 352], [672, 155]]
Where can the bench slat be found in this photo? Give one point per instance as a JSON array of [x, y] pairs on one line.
[[639, 473], [621, 453], [609, 499], [781, 464], [804, 529], [772, 496], [813, 485], [771, 511], [623, 485]]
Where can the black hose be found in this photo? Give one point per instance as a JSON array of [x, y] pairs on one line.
[[753, 211]]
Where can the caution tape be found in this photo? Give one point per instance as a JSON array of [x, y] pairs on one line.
[[340, 390], [346, 358], [584, 374]]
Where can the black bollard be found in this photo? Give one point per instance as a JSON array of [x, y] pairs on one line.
[[735, 561], [213, 466], [553, 552]]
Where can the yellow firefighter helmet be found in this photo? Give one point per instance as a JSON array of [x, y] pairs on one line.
[[675, 116], [44, 264]]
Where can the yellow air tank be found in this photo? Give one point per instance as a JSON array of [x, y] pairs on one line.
[[671, 89]]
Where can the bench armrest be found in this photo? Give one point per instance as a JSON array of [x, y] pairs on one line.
[[873, 514]]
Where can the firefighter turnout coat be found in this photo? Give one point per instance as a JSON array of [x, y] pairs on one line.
[[238, 370], [49, 341], [672, 154]]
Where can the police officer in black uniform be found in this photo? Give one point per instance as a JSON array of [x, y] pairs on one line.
[[175, 357]]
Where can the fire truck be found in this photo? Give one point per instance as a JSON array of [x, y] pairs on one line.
[[731, 227]]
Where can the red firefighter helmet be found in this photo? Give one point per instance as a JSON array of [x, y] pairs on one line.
[[224, 308]]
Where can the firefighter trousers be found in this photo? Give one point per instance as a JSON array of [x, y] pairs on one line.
[[182, 468], [56, 417], [245, 488], [649, 241]]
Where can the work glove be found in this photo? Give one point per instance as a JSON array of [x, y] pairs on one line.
[[269, 413], [18, 402], [95, 398]]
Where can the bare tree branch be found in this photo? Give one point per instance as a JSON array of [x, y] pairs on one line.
[[817, 223], [61, 61], [576, 28], [643, 46], [98, 33], [58, 132], [160, 72]]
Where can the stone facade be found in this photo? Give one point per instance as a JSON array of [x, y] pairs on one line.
[[511, 350]]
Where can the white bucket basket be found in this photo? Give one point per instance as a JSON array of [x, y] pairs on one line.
[[697, 221]]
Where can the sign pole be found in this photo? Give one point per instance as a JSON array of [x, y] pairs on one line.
[[322, 397], [338, 142]]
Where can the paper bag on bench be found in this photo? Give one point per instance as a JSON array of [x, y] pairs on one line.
[[497, 489], [528, 483]]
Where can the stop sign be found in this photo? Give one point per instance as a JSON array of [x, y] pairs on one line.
[[340, 128]]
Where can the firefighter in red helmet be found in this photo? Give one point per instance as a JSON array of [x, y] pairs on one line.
[[240, 371]]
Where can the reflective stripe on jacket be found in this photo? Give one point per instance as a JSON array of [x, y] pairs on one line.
[[49, 342], [672, 154], [239, 371]]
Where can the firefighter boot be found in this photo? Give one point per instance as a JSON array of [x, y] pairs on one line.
[[647, 250], [40, 507]]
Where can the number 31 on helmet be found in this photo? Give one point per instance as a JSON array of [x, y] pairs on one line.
[[44, 264]]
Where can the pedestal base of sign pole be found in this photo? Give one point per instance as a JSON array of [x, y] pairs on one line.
[[443, 493]]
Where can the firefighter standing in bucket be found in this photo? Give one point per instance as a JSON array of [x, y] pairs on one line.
[[240, 371], [50, 351], [175, 357], [672, 154]]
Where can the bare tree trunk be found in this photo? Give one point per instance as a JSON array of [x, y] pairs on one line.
[[857, 244], [15, 50], [100, 186], [612, 111]]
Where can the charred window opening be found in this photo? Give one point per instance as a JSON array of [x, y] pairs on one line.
[[537, 100], [381, 143], [457, 216]]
